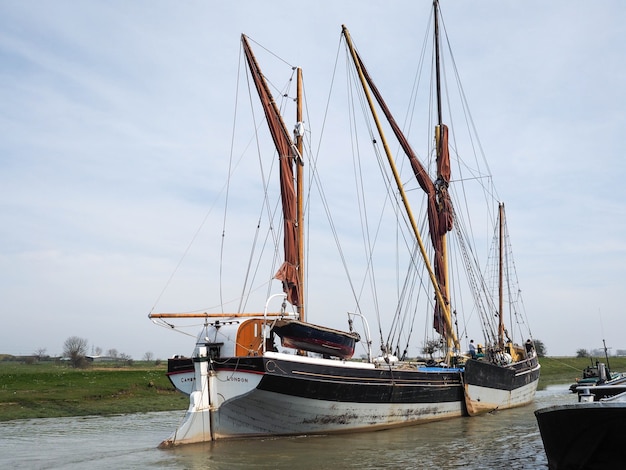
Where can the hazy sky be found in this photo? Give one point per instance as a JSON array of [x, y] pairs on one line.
[[115, 119]]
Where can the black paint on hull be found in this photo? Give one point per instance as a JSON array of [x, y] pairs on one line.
[[354, 385], [517, 375], [584, 435]]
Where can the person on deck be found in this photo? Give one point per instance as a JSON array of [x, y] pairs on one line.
[[529, 346], [472, 349]]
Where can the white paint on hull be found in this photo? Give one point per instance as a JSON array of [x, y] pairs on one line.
[[227, 404], [486, 399], [321, 361], [184, 382], [263, 413], [267, 413], [231, 384]]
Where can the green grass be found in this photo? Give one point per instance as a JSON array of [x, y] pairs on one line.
[[47, 389], [565, 370]]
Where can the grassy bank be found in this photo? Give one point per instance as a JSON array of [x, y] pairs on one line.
[[48, 389], [560, 370]]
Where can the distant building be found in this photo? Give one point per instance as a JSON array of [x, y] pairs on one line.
[[102, 359]]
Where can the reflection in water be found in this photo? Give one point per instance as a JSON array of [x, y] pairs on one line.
[[509, 439]]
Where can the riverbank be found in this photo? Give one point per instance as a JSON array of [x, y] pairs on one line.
[[51, 389], [565, 370]]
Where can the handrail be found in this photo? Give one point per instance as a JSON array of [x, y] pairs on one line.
[[284, 296], [367, 332]]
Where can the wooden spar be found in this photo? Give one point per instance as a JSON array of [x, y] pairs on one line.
[[214, 315], [437, 66], [440, 299], [300, 193], [444, 239], [500, 278], [444, 245]]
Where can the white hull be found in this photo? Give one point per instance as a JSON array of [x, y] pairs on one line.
[[275, 394], [229, 405], [266, 413], [262, 413], [183, 381], [487, 399], [488, 388]]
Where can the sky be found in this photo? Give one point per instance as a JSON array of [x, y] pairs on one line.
[[115, 125]]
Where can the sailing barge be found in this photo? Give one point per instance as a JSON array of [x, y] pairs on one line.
[[274, 373]]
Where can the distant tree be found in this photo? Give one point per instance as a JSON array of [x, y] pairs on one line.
[[40, 354], [126, 359], [600, 352], [540, 348], [98, 351], [582, 353], [148, 356], [75, 349], [430, 346], [112, 353]]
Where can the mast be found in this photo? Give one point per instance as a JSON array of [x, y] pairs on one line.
[[501, 277], [438, 138], [299, 135], [443, 174], [422, 176], [437, 65]]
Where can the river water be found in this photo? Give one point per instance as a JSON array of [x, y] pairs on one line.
[[507, 439]]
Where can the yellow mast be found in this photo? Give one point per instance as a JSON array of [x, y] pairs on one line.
[[451, 336]]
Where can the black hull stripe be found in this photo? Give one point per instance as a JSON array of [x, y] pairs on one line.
[[341, 384], [380, 385]]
